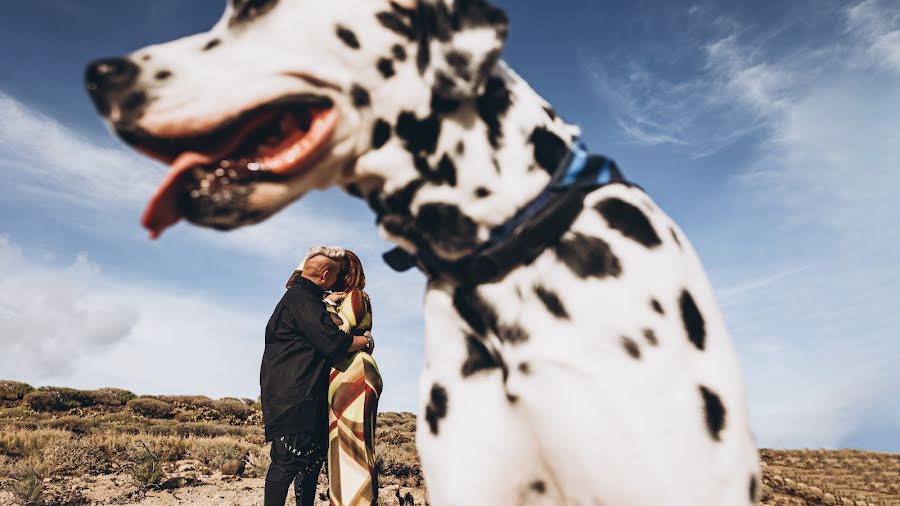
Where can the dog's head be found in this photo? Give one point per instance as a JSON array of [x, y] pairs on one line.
[[284, 96]]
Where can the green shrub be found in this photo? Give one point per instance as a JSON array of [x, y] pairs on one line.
[[13, 390], [151, 408]]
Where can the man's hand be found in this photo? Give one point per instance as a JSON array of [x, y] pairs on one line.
[[370, 346]]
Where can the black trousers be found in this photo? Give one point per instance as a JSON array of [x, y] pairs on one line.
[[297, 458]]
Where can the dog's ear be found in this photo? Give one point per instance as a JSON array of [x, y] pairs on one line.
[[459, 41]]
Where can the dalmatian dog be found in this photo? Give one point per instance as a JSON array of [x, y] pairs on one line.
[[588, 363]]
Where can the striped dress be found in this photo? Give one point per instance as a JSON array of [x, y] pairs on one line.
[[353, 405]]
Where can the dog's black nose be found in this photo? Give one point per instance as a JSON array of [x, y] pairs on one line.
[[108, 75]]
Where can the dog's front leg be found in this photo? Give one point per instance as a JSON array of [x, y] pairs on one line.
[[474, 446]]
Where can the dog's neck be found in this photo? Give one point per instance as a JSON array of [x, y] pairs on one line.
[[491, 156]]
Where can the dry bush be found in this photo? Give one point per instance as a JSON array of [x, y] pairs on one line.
[[151, 408], [143, 465], [75, 424], [215, 452], [234, 408], [111, 396], [19, 443], [78, 456], [258, 462], [188, 401], [13, 390], [398, 465], [62, 399], [27, 486]]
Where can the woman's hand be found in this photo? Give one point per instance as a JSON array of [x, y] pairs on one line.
[[336, 297]]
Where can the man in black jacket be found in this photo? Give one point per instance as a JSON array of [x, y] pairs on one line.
[[302, 343]]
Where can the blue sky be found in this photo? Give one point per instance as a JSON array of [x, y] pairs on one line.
[[769, 131]]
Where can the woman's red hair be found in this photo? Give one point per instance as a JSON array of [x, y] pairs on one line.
[[352, 276]]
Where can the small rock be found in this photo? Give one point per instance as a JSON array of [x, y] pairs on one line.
[[233, 467], [173, 483]]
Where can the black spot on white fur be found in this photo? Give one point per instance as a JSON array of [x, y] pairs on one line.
[[482, 192], [492, 106], [513, 334], [446, 170], [385, 67], [482, 318], [162, 75], [631, 347], [694, 325], [657, 306], [211, 44], [420, 136], [436, 408], [476, 311], [675, 236], [714, 412], [398, 52], [588, 256], [245, 11], [479, 358], [347, 36], [549, 149], [381, 132], [538, 486], [551, 301], [441, 104], [446, 226], [459, 62], [754, 489], [393, 23], [629, 220], [650, 336], [360, 96]]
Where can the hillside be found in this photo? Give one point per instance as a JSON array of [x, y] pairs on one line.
[[63, 446]]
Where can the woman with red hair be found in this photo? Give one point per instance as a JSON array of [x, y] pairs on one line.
[[353, 393]]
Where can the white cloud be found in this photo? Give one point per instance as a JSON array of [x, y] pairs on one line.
[[53, 318], [876, 26], [53, 156]]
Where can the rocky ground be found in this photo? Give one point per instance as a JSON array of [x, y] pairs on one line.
[[61, 446]]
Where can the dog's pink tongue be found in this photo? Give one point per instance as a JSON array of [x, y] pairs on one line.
[[162, 210]]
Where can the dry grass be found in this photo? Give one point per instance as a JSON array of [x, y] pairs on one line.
[[55, 435]]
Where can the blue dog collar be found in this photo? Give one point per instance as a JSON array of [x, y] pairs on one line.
[[555, 207]]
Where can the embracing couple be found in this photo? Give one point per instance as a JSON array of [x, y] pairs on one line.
[[319, 383]]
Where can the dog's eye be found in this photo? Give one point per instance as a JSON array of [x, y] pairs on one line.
[[245, 10]]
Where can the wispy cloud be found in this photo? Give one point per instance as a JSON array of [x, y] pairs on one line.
[[40, 150], [875, 24]]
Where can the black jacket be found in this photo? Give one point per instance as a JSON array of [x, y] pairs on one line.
[[302, 343]]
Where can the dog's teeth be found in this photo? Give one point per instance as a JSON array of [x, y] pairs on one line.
[[220, 172], [232, 173], [224, 164], [195, 194], [254, 166]]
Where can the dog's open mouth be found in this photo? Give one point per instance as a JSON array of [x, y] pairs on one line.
[[211, 174]]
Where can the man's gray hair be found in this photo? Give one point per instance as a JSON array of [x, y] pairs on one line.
[[335, 253]]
